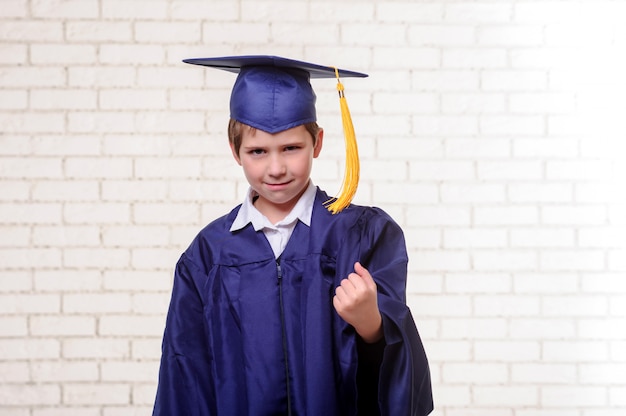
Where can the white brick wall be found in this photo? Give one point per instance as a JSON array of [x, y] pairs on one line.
[[492, 131]]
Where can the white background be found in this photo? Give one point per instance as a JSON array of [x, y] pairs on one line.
[[492, 131]]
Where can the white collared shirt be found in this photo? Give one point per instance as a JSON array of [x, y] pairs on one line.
[[277, 234]]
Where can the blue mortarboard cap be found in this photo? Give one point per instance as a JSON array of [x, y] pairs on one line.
[[272, 93]]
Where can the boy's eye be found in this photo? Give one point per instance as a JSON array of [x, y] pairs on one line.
[[256, 151], [292, 148]]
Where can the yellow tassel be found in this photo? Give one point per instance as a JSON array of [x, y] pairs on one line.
[[351, 175]]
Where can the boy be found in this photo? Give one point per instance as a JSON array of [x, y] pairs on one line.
[[281, 306]]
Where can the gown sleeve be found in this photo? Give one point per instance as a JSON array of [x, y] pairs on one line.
[[404, 385], [183, 389]]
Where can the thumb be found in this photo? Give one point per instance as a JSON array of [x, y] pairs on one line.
[[362, 272]]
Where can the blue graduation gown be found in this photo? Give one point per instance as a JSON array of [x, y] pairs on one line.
[[247, 334]]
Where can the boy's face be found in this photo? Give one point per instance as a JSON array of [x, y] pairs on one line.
[[277, 166]]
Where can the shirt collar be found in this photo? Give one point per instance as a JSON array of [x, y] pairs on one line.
[[249, 214]]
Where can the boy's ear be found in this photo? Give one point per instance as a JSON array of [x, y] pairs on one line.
[[318, 143], [235, 155]]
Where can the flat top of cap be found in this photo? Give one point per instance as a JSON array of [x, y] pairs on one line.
[[235, 63]]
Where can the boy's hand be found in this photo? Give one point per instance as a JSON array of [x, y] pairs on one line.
[[356, 302]]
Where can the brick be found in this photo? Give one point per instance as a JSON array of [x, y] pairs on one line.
[[149, 303], [62, 326], [14, 372], [518, 125], [102, 213], [98, 31], [444, 125], [136, 54], [13, 100], [65, 145], [540, 192], [14, 167], [509, 170], [440, 306], [506, 395], [372, 34], [180, 167], [506, 305], [14, 8], [96, 303], [199, 9], [507, 351], [413, 58], [144, 395], [194, 191], [33, 213], [132, 99], [539, 373], [578, 170], [474, 238], [299, 33], [453, 396], [16, 145], [103, 77], [15, 395], [480, 328], [573, 396], [25, 258], [15, 236], [154, 258], [477, 148], [529, 283], [506, 215], [511, 35], [24, 30], [129, 371], [101, 122], [473, 103], [438, 215], [95, 258], [399, 193], [514, 80], [92, 167], [422, 238], [13, 327], [544, 237], [49, 122], [504, 261], [573, 260], [545, 329], [66, 236], [477, 283], [30, 303], [602, 328], [560, 306], [146, 349], [29, 77], [60, 191], [29, 349], [15, 281], [441, 35], [170, 122], [542, 103], [411, 103], [568, 214], [409, 12], [450, 351], [55, 371], [423, 282], [15, 191], [167, 32], [67, 280], [135, 236], [95, 347], [472, 193], [130, 325], [64, 9], [89, 394], [487, 58], [156, 77], [478, 12], [138, 9], [474, 373], [268, 11], [445, 80], [401, 148], [63, 54], [248, 33], [157, 213]]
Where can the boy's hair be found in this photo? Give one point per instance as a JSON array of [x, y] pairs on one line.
[[235, 131]]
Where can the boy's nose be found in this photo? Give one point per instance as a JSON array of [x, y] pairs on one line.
[[277, 166]]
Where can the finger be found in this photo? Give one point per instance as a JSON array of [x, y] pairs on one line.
[[363, 273]]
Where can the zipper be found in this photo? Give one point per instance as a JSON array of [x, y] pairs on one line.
[[279, 273]]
